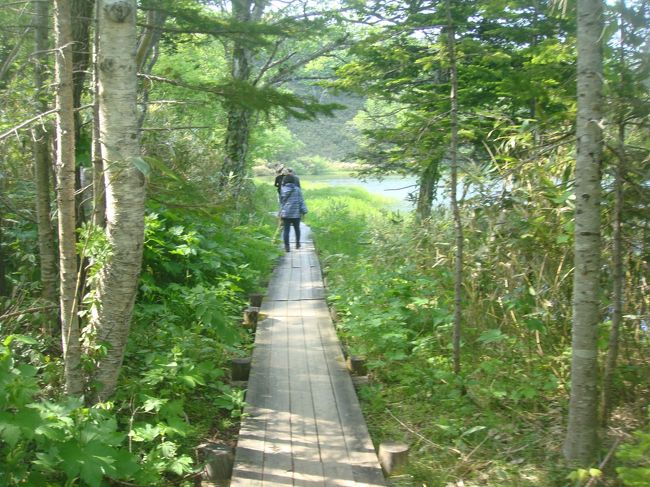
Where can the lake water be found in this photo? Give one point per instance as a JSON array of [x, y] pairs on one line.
[[397, 188]]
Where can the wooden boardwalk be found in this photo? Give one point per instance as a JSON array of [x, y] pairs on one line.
[[303, 423]]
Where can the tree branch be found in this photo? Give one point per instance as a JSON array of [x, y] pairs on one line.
[[181, 84], [14, 130], [281, 77], [162, 129], [26, 123], [28, 310]]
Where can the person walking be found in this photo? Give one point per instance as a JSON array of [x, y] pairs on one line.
[[291, 172], [292, 208], [279, 176]]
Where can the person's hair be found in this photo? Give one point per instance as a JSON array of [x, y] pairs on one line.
[[289, 179], [280, 170]]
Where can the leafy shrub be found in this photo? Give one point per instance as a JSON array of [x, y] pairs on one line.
[[44, 442], [198, 269]]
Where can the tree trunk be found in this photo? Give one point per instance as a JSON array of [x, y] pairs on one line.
[[3, 259], [147, 54], [233, 170], [149, 38], [617, 286], [125, 192], [458, 224], [99, 190], [581, 443], [617, 244], [41, 149], [426, 190], [82, 12], [65, 165]]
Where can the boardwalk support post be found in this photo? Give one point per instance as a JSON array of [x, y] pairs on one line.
[[357, 365], [256, 299], [240, 368], [251, 316], [219, 459], [393, 456]]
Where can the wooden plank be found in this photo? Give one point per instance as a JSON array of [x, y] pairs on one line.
[[277, 468], [249, 455], [318, 291], [333, 451], [308, 469], [357, 439], [294, 308], [305, 276], [284, 283]]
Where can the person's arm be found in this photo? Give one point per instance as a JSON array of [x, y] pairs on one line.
[[303, 206]]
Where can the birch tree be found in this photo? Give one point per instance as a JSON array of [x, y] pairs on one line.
[[581, 442], [65, 176], [41, 152], [125, 187]]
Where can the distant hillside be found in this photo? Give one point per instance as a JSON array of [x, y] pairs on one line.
[[329, 137]]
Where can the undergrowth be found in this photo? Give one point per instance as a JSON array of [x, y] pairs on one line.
[[174, 393], [501, 422]]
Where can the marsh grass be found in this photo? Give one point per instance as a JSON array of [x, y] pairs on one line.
[[391, 287]]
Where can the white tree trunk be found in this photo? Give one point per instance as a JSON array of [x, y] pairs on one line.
[[581, 443], [124, 183], [42, 166], [65, 176]]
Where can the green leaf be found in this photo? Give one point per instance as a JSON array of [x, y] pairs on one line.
[[181, 465], [563, 238], [168, 449], [153, 404], [27, 340], [10, 433], [142, 166], [474, 429], [70, 455], [492, 336], [146, 433], [534, 324], [594, 472], [158, 164]]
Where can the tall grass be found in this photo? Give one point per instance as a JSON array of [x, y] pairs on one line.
[[391, 284]]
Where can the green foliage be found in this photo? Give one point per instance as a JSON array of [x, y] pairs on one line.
[[392, 289], [18, 246], [198, 269], [342, 215], [635, 459], [62, 442]]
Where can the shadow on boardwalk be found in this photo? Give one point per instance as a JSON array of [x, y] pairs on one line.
[[303, 423]]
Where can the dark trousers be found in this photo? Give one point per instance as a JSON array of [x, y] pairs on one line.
[[288, 223]]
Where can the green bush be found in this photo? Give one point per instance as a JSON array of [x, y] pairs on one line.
[[54, 443], [635, 457]]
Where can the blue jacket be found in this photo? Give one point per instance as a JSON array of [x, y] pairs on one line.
[[292, 204]]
